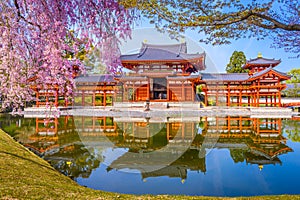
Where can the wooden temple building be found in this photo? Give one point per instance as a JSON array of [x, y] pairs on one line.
[[161, 73], [261, 86], [168, 73]]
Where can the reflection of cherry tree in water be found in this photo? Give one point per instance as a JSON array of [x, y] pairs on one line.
[[74, 161], [292, 129]]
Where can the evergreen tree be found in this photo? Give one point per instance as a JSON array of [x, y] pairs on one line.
[[295, 75], [237, 60], [294, 89]]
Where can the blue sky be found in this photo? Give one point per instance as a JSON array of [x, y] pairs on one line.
[[217, 56]]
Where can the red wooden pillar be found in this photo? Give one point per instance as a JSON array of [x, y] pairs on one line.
[[280, 126], [56, 125], [36, 125], [182, 91], [133, 93], [82, 98], [47, 97], [240, 98], [94, 98], [37, 99], [182, 130], [240, 95], [193, 91], [254, 99], [228, 124], [115, 95], [228, 95], [279, 99], [249, 101], [168, 92], [271, 100], [56, 97], [104, 98], [217, 96], [258, 94], [206, 97]]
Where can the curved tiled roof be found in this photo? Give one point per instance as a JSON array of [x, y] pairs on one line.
[[224, 76], [176, 48], [183, 77], [132, 78], [174, 53], [260, 61], [262, 72], [95, 78]]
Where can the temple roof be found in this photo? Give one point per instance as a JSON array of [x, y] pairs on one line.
[[241, 76], [260, 61], [165, 54], [262, 72], [95, 78], [224, 76], [182, 77], [132, 78], [176, 48]]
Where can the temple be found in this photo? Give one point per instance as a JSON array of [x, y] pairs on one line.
[[168, 73], [262, 86], [161, 73]]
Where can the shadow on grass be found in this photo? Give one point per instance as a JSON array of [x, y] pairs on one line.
[[27, 159]]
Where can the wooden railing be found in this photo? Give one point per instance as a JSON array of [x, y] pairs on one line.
[[291, 104]]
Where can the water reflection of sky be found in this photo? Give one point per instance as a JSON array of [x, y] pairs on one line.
[[250, 158], [222, 178]]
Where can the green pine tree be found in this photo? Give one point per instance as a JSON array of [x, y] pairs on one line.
[[237, 60]]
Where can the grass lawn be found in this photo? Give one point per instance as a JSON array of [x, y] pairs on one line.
[[23, 175]]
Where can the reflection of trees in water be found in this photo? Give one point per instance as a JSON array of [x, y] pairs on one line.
[[292, 129], [16, 125], [238, 155], [74, 161]]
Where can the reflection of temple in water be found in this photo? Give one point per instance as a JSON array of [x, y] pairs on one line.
[[57, 142], [165, 147], [256, 141]]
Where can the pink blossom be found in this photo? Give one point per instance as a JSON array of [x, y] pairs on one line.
[[33, 42]]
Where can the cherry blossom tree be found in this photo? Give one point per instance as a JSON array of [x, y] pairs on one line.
[[34, 38]]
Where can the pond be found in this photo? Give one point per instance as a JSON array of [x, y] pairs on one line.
[[214, 155]]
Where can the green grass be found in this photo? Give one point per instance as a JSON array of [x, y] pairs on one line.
[[23, 175]]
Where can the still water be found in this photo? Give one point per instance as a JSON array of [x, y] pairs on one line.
[[218, 156]]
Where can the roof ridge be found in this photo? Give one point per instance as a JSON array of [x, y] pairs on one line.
[[262, 58], [269, 59], [175, 44], [143, 49]]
